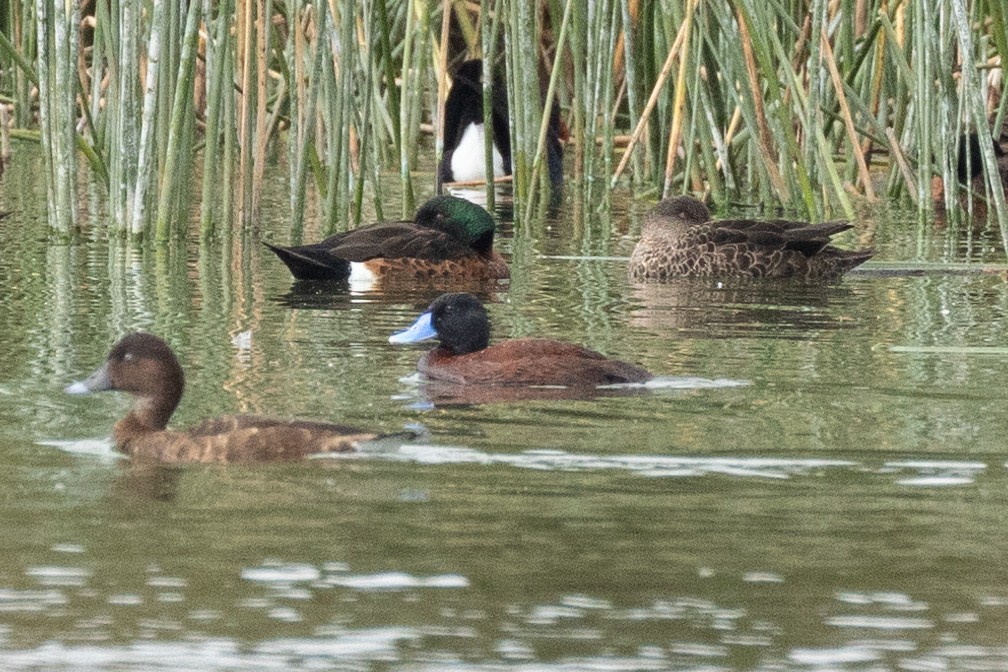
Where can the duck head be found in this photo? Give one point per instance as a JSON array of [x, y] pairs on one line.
[[465, 220], [459, 321], [145, 366], [678, 211]]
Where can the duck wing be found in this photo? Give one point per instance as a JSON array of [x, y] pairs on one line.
[[775, 234], [395, 241]]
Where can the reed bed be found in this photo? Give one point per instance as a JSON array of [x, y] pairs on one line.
[[809, 106]]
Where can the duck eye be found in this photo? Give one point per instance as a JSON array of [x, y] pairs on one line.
[[128, 357]]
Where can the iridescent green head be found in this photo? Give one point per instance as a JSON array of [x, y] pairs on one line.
[[463, 219]]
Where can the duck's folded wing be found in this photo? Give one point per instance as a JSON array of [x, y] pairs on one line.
[[534, 361], [778, 234], [395, 241], [230, 423]]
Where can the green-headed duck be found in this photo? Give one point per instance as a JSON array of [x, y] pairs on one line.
[[679, 239], [450, 238], [464, 158], [145, 366], [464, 356]]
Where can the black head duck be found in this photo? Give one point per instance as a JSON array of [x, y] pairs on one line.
[[465, 356]]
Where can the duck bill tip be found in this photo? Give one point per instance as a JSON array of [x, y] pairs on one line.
[[77, 387], [96, 382], [420, 330]]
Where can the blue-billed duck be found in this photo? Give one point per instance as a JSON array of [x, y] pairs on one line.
[[145, 366], [464, 158], [680, 239], [450, 238], [464, 356]]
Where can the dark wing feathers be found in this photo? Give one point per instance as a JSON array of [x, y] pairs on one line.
[[312, 262], [394, 241], [775, 234]]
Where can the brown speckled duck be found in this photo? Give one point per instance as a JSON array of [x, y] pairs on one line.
[[459, 321], [143, 365], [679, 239], [450, 238]]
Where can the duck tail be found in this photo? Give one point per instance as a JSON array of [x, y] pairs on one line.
[[852, 258], [312, 263]]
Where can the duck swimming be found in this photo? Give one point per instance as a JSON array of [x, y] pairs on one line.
[[680, 239], [145, 366], [464, 356], [464, 158], [450, 238]]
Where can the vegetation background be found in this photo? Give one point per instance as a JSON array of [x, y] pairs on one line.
[[175, 108]]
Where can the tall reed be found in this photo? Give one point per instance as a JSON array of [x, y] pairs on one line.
[[808, 105]]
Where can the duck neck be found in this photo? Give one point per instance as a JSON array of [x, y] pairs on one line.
[[484, 244], [149, 414]]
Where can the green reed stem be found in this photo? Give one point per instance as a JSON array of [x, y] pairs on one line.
[[176, 170]]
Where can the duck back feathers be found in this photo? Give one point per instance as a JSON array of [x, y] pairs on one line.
[[240, 439], [530, 361]]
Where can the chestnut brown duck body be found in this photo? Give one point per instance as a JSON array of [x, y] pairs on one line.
[[464, 356], [145, 366], [449, 238], [679, 239]]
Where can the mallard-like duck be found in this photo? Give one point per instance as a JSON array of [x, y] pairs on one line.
[[464, 153], [680, 239], [145, 366], [459, 321], [450, 238]]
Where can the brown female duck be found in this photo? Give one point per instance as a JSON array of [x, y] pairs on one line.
[[680, 239], [449, 238], [460, 323], [143, 365]]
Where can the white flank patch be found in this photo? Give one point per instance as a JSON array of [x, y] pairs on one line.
[[361, 277], [468, 162]]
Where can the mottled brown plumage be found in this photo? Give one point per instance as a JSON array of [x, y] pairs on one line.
[[468, 267], [679, 239], [145, 366]]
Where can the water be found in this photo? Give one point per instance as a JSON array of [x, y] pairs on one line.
[[819, 482]]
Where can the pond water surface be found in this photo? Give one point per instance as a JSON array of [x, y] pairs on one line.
[[821, 481]]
